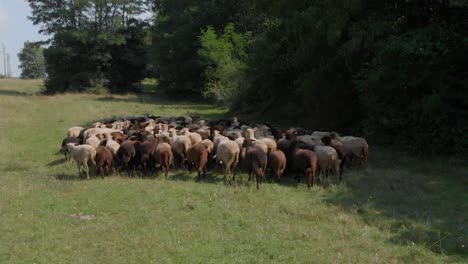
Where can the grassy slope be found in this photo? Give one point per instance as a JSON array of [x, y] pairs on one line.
[[392, 212]]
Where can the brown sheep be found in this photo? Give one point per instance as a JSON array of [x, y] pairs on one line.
[[198, 156], [163, 155], [146, 153], [276, 163], [305, 161], [255, 160], [103, 160], [126, 154]]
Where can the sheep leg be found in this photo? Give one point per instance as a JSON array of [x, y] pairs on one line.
[[86, 168], [233, 170], [79, 170], [339, 171], [314, 177], [257, 176]]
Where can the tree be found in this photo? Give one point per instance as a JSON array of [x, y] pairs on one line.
[[85, 35], [32, 62], [225, 71]]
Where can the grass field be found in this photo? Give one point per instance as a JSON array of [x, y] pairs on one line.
[[400, 209]]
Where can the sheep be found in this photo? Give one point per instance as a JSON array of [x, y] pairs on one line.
[[305, 161], [233, 134], [255, 160], [82, 154], [98, 131], [103, 160], [74, 131], [311, 139], [180, 145], [327, 158], [276, 163], [163, 155], [320, 133], [217, 138], [264, 144], [343, 154], [126, 154], [64, 149], [146, 153], [228, 153], [204, 132], [111, 144], [93, 141], [198, 157], [270, 143], [195, 138], [355, 145], [209, 145], [240, 142]]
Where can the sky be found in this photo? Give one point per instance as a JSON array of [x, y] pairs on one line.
[[15, 29]]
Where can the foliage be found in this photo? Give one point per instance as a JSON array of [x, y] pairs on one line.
[[176, 42], [31, 58], [92, 41], [222, 56], [390, 71]]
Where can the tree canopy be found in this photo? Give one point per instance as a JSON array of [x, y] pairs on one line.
[[31, 59], [389, 70]]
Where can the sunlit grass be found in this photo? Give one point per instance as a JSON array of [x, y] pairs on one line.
[[391, 212]]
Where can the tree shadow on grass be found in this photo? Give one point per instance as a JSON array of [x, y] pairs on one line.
[[418, 201], [12, 93], [146, 98]]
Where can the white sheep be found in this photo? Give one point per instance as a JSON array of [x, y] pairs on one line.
[[209, 145], [180, 144], [320, 133], [195, 138], [228, 154], [355, 145], [327, 158], [263, 143], [74, 131], [112, 145], [99, 131], [93, 141], [82, 154], [240, 142], [217, 138]]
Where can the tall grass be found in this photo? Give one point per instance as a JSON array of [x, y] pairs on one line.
[[394, 211]]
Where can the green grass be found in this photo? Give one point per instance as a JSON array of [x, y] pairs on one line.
[[394, 211]]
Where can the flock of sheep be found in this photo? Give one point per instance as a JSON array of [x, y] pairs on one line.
[[145, 143]]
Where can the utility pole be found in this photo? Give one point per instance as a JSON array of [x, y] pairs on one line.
[[8, 65], [4, 60]]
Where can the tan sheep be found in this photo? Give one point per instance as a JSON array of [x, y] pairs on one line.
[[82, 154], [74, 131], [228, 154], [327, 159]]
